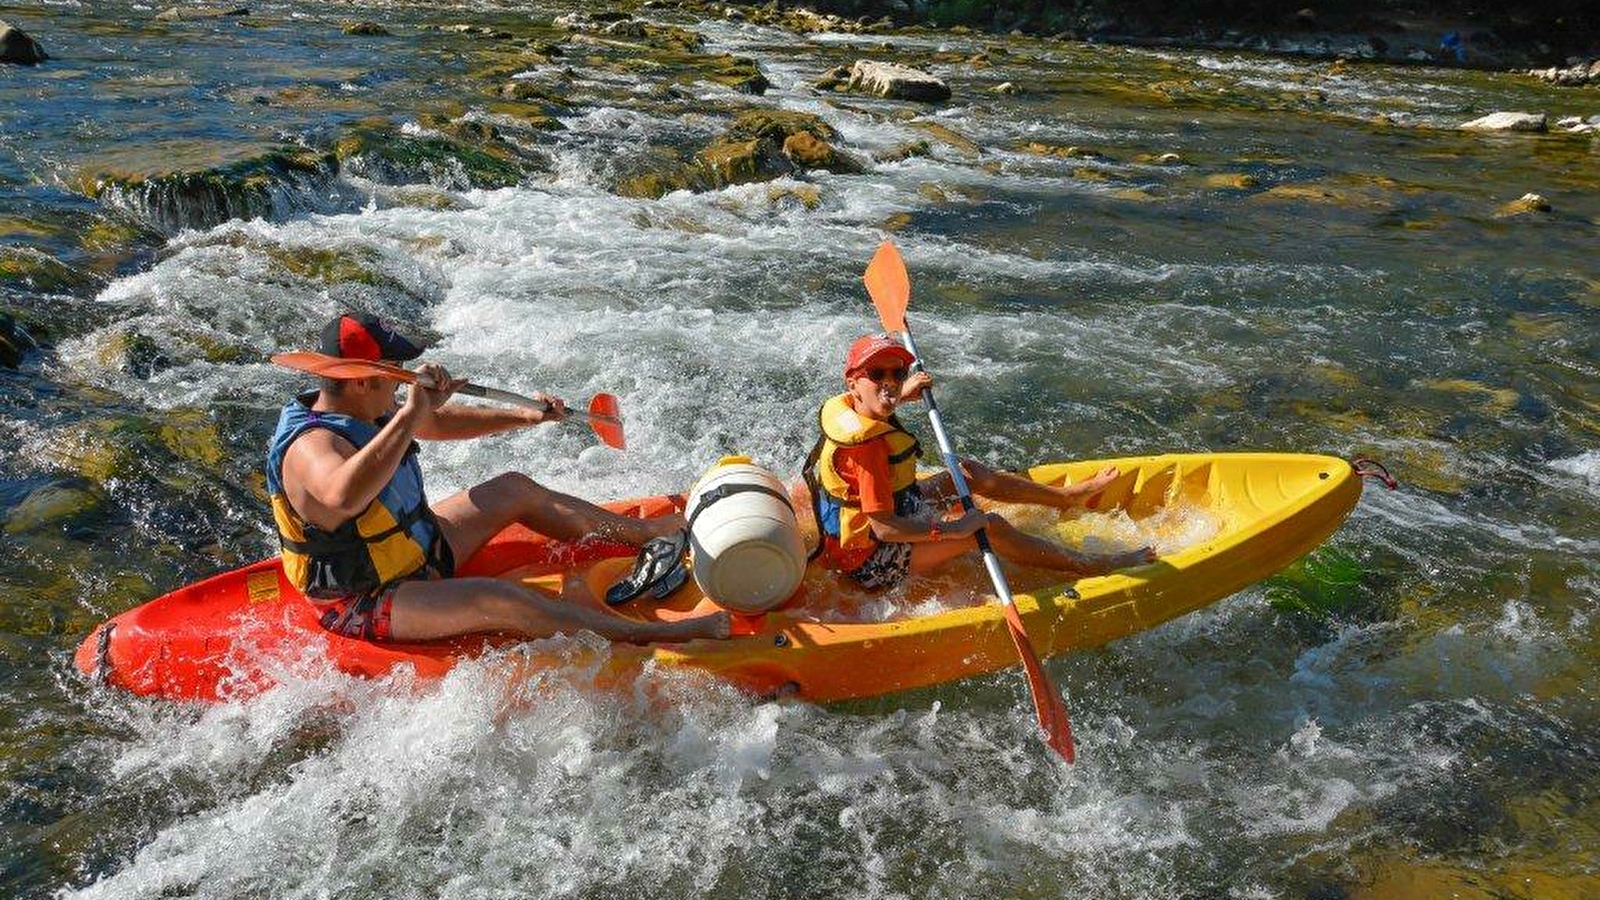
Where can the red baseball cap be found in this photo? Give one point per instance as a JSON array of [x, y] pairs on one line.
[[363, 336], [871, 346]]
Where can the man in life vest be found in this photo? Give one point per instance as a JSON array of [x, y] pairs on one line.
[[361, 541], [881, 524]]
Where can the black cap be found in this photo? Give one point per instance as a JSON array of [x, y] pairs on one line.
[[363, 336]]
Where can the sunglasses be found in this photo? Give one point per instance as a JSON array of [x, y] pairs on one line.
[[880, 375]]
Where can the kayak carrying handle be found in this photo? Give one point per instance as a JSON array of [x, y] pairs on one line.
[[1371, 468]]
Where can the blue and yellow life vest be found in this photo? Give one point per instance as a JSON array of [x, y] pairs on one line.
[[834, 499], [394, 538]]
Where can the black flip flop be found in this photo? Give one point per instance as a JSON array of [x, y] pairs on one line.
[[658, 568]]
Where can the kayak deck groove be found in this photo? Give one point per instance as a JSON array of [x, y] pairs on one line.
[[224, 636]]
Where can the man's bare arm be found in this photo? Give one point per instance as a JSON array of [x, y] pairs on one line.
[[329, 480], [459, 422]]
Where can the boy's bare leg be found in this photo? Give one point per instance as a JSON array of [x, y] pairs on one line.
[[1011, 488], [430, 610], [1025, 549], [473, 516]]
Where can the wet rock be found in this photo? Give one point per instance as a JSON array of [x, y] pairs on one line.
[[35, 270], [1234, 181], [897, 82], [836, 78], [1577, 74], [275, 184], [193, 13], [948, 135], [366, 29], [1007, 88], [16, 340], [1527, 203], [804, 195], [904, 152], [55, 505], [453, 155], [1508, 121], [17, 47], [741, 74], [807, 151], [132, 353], [1042, 149]]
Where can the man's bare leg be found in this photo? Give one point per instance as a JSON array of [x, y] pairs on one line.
[[473, 516], [430, 610]]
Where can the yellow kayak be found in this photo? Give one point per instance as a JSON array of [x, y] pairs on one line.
[[1220, 522]]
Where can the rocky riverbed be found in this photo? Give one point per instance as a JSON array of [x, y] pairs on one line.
[[1117, 249]]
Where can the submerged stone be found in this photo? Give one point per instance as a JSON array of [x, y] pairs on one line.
[[1527, 203], [36, 270], [55, 505], [18, 48], [366, 29]]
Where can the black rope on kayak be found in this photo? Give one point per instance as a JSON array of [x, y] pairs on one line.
[[1371, 468], [102, 655]]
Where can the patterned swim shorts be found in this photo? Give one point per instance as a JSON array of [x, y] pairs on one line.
[[889, 564], [364, 618]]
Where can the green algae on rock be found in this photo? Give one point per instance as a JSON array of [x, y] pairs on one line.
[[272, 184], [36, 270], [449, 153]]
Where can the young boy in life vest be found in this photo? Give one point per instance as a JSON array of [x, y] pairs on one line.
[[881, 524]]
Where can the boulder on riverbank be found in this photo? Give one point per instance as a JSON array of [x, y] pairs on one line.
[[896, 82], [1577, 74], [1508, 121], [18, 48]]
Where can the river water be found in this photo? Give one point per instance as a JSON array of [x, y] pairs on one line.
[[1409, 713]]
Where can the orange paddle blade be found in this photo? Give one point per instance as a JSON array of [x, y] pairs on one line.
[[605, 417], [889, 286], [337, 367], [1047, 705]]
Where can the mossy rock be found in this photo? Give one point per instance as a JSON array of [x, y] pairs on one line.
[[1322, 585], [209, 197], [1231, 181], [191, 434], [35, 270], [365, 29], [109, 233], [327, 265], [775, 125], [738, 73], [56, 505], [735, 162], [653, 185], [23, 227], [381, 152], [948, 135], [15, 341], [133, 353], [904, 152], [806, 195]]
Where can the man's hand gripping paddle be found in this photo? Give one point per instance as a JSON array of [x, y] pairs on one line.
[[604, 415], [890, 288]]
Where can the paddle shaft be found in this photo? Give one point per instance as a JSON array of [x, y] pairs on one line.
[[489, 393], [948, 451]]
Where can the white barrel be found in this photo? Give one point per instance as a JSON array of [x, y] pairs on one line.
[[744, 546]]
